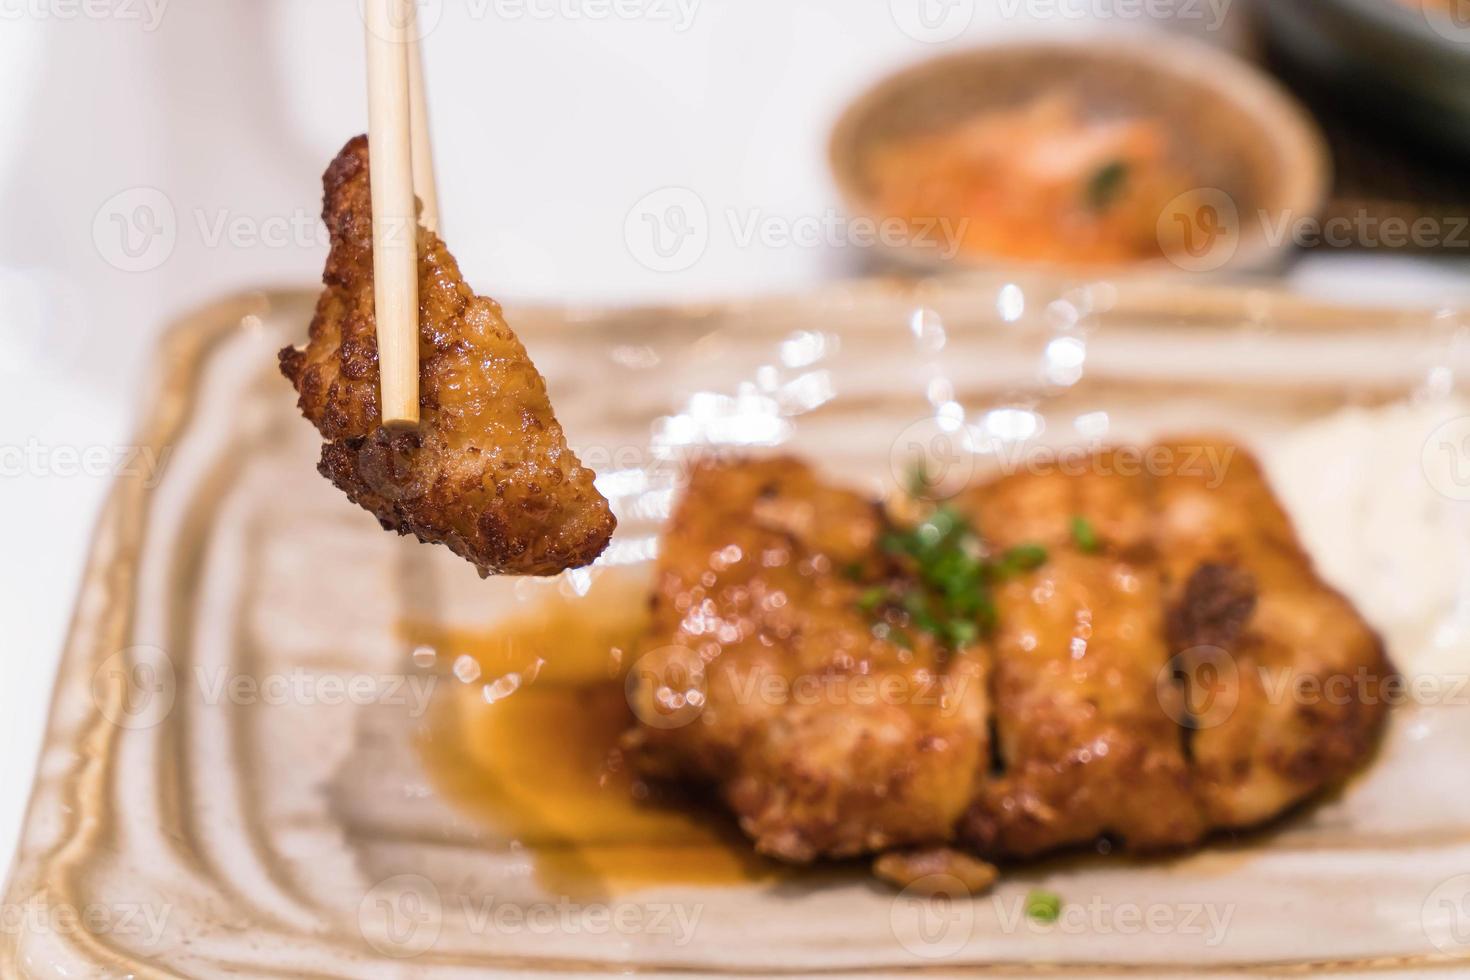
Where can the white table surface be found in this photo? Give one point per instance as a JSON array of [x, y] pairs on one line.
[[551, 124]]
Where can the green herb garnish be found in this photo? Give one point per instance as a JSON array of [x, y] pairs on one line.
[[1085, 535], [919, 482], [1025, 558], [963, 631], [945, 588], [1106, 183], [1043, 906]]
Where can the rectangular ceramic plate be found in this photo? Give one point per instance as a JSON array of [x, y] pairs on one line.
[[285, 743]]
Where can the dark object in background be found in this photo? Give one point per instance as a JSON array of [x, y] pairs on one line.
[[1401, 64], [1392, 95]]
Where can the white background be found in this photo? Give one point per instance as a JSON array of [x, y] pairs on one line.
[[549, 128]]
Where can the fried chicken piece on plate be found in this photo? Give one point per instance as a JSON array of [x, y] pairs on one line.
[[1086, 742], [1088, 676], [761, 674], [488, 471], [1142, 675], [1285, 671]]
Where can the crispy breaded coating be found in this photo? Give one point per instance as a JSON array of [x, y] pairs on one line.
[[1083, 713], [756, 596], [488, 471], [1287, 672], [1086, 744]]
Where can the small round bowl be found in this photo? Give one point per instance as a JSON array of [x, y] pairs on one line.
[[1232, 128]]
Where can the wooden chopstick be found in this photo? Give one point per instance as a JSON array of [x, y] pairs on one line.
[[424, 184], [395, 226]]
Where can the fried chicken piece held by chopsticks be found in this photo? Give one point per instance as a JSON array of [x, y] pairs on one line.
[[488, 471]]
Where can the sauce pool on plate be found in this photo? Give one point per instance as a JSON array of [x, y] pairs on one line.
[[524, 737]]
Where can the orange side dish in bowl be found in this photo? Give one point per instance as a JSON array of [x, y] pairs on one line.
[[1040, 182]]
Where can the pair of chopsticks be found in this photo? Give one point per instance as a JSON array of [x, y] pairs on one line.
[[401, 166]]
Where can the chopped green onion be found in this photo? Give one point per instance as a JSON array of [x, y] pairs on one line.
[[1106, 184], [949, 595], [919, 482], [963, 632], [1043, 906], [1024, 558], [1085, 535]]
